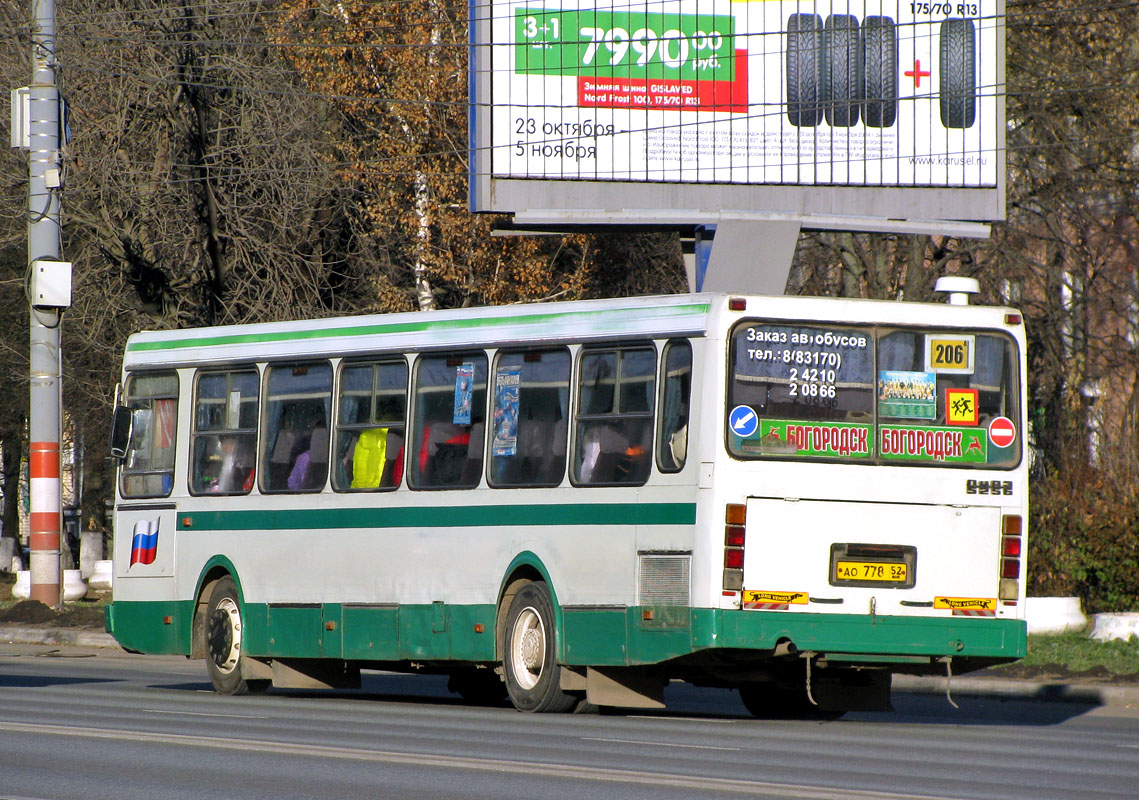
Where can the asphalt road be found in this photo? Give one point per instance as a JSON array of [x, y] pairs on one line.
[[90, 723]]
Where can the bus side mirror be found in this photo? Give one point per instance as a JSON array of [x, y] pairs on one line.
[[121, 432]]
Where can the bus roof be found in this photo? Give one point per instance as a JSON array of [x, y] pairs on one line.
[[534, 323], [522, 324]]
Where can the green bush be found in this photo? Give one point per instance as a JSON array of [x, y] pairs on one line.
[[1083, 540]]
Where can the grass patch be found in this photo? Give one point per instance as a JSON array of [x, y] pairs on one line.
[[1076, 654]]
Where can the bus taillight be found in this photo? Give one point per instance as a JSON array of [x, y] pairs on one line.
[[735, 519], [1011, 548]]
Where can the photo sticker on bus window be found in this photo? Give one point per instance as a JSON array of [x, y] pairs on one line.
[[464, 389], [507, 382], [962, 406], [909, 395], [950, 353]]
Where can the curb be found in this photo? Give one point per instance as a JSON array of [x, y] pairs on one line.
[[1124, 696], [66, 636]]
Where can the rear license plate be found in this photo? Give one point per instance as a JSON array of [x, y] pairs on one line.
[[876, 571]]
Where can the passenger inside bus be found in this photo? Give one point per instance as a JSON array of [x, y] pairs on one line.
[[377, 459], [233, 460], [311, 465]]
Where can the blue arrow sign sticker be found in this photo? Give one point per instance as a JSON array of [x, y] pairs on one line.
[[743, 421]]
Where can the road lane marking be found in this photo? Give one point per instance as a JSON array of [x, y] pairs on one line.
[[658, 744], [202, 714], [528, 769]]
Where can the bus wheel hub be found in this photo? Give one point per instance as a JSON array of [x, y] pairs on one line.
[[532, 649]]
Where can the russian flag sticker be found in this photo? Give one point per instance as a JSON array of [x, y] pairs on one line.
[[144, 542]]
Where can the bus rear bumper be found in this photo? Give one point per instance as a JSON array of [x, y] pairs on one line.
[[871, 639]]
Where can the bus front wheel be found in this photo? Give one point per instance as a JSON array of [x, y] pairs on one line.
[[223, 641], [529, 662]]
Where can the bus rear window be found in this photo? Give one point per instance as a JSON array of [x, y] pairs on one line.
[[786, 376], [873, 394]]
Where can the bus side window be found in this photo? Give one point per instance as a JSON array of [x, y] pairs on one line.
[[614, 425], [225, 432], [370, 425], [298, 404], [450, 415], [529, 407], [676, 390]]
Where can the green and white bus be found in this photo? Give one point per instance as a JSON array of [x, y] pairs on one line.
[[581, 501]]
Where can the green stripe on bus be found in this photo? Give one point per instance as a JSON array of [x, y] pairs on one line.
[[442, 516], [618, 636], [408, 327]]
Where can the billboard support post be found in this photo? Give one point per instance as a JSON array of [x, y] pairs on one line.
[[748, 256]]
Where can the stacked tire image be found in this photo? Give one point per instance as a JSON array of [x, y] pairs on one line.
[[958, 80], [805, 100], [841, 71], [879, 72]]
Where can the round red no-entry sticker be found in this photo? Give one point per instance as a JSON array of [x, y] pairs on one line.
[[1001, 432]]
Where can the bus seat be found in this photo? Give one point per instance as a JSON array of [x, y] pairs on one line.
[[604, 447], [281, 460], [318, 446], [317, 471], [394, 468], [472, 469]]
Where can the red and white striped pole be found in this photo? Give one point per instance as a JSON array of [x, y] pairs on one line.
[[44, 187], [44, 522]]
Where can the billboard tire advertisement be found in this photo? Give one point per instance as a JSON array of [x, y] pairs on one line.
[[958, 96], [880, 71], [841, 70], [804, 69], [839, 115]]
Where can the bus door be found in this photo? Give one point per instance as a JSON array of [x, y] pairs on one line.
[[145, 512]]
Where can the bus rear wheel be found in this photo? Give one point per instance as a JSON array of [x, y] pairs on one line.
[[529, 662], [782, 701], [223, 634]]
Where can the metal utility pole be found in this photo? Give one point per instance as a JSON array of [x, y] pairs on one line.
[[46, 277]]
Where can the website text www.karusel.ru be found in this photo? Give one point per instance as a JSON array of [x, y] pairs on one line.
[[950, 161]]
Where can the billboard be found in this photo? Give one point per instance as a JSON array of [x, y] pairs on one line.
[[876, 108]]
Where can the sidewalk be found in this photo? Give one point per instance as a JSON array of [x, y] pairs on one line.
[[80, 637], [1118, 695]]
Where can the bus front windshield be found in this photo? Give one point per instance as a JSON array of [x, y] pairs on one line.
[[874, 394]]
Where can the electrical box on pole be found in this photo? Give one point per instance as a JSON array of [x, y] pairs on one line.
[[21, 100], [51, 284]]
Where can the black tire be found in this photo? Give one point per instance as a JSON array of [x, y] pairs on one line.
[[529, 658], [780, 701], [223, 632], [879, 72], [841, 67], [958, 73], [805, 92]]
